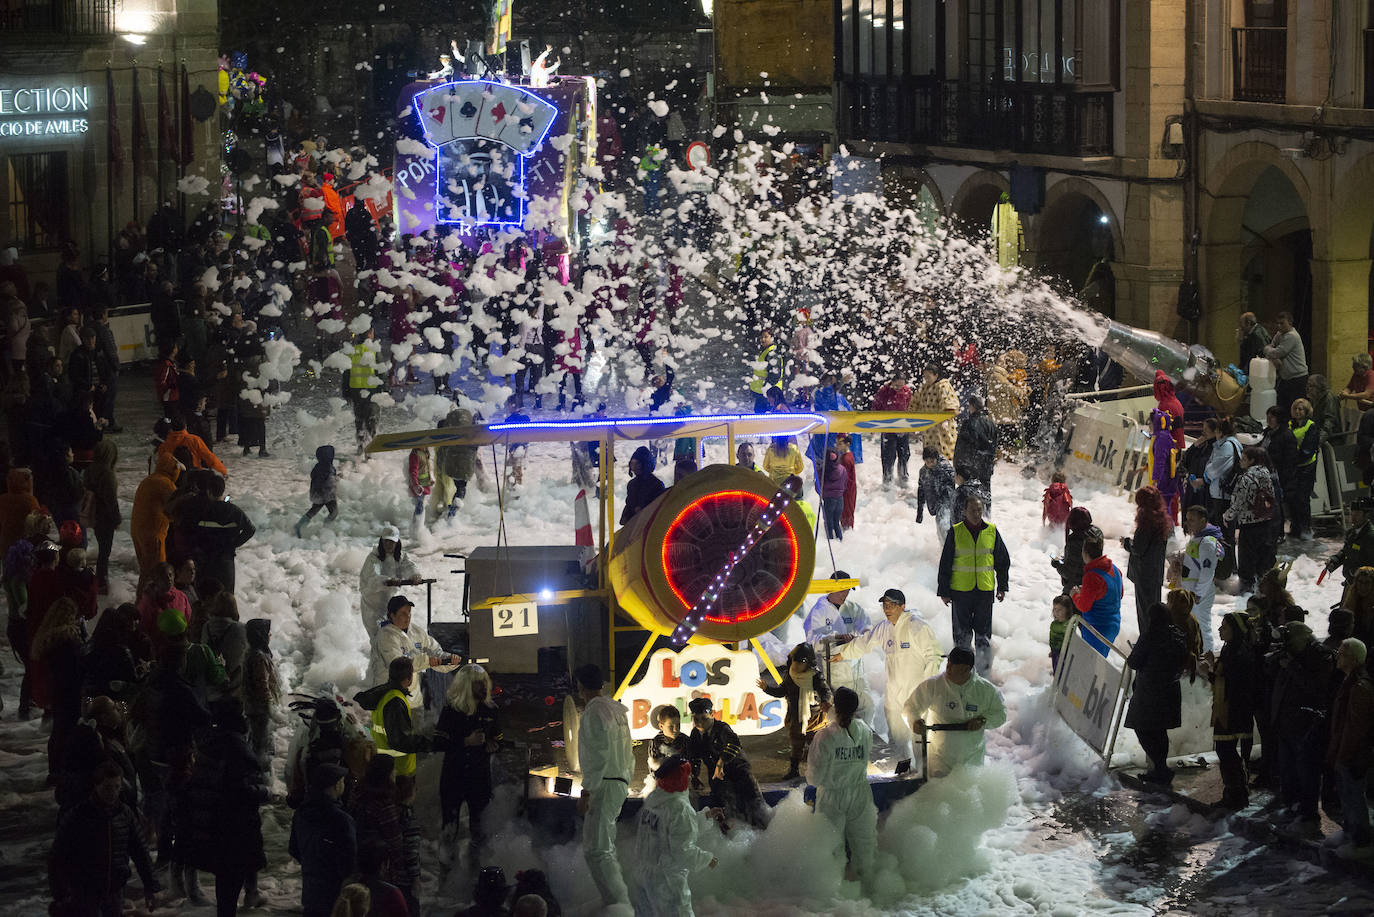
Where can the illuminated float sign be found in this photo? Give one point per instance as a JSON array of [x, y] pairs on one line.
[[482, 133], [727, 676], [44, 111]]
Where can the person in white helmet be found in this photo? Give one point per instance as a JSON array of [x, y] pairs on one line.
[[840, 618], [957, 697], [384, 572], [838, 769], [667, 844], [912, 654]]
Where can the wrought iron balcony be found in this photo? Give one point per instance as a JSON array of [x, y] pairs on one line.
[[1259, 64], [48, 18], [1020, 117]]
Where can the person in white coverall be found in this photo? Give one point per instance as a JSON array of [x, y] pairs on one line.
[[956, 697], [667, 845], [912, 654], [838, 617], [400, 636], [384, 572], [608, 763], [838, 769]]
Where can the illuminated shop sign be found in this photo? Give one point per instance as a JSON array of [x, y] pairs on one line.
[[482, 133], [44, 111]]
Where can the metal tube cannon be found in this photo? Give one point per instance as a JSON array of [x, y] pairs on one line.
[[1192, 369]]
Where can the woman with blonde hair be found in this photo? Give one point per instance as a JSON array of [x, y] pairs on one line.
[[467, 733], [354, 901]]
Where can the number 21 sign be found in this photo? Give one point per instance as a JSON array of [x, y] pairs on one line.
[[515, 620]]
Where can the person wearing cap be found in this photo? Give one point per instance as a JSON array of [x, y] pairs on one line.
[[911, 653], [960, 698], [838, 617], [1098, 597], [608, 763], [393, 726], [323, 840], [715, 745], [401, 637], [1358, 550], [666, 839], [803, 686], [383, 573], [1302, 677], [1350, 751], [974, 568], [838, 768]]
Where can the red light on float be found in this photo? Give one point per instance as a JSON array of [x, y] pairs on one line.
[[699, 541]]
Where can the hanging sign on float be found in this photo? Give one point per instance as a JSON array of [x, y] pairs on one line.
[[729, 677]]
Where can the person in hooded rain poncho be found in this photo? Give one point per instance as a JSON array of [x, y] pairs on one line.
[[383, 573]]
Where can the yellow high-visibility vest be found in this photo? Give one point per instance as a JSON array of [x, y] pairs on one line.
[[405, 763], [973, 560]]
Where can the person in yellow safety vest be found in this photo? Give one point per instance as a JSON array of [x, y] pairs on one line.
[[767, 371], [393, 731], [974, 567], [362, 380], [1309, 438]]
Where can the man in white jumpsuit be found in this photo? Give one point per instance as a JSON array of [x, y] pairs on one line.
[[912, 654], [838, 768], [956, 697], [384, 572], [400, 636], [608, 763], [841, 619], [667, 844]]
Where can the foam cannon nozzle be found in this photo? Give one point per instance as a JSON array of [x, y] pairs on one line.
[[1191, 368]]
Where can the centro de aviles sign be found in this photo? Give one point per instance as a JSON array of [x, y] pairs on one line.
[[44, 111]]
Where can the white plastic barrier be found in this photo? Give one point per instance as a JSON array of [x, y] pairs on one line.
[[1108, 442]]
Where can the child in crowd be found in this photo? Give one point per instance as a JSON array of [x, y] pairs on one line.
[[935, 487], [1061, 610], [1197, 572], [324, 487], [667, 843], [1070, 567], [515, 452], [670, 740], [420, 477], [1057, 502]]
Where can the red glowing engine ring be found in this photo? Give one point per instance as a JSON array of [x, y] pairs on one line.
[[741, 509]]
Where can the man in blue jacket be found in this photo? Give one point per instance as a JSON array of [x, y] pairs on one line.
[[323, 840]]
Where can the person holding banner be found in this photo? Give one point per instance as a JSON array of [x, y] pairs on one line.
[[962, 706]]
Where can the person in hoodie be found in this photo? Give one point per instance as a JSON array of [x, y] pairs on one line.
[[1199, 560], [644, 486], [323, 840], [666, 839], [202, 456], [218, 530], [834, 480], [324, 488], [15, 505], [911, 652], [1098, 597], [261, 688], [455, 465], [103, 487], [148, 523], [935, 490], [227, 636], [608, 762], [95, 841], [838, 769]]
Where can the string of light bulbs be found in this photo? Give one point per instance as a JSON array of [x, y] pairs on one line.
[[791, 489]]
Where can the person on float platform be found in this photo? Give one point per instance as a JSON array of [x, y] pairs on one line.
[[838, 769], [974, 567], [912, 655], [840, 618], [399, 637], [383, 572], [954, 698], [608, 762]]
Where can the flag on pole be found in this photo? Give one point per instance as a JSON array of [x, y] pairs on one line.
[[166, 132], [582, 536], [114, 143], [140, 139], [185, 148], [498, 32]]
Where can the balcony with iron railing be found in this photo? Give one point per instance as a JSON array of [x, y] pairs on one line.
[[47, 19], [1259, 64], [1019, 117]]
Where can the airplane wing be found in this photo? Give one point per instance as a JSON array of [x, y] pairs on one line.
[[649, 428]]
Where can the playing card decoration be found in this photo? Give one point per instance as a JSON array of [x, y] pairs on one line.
[[477, 109]]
